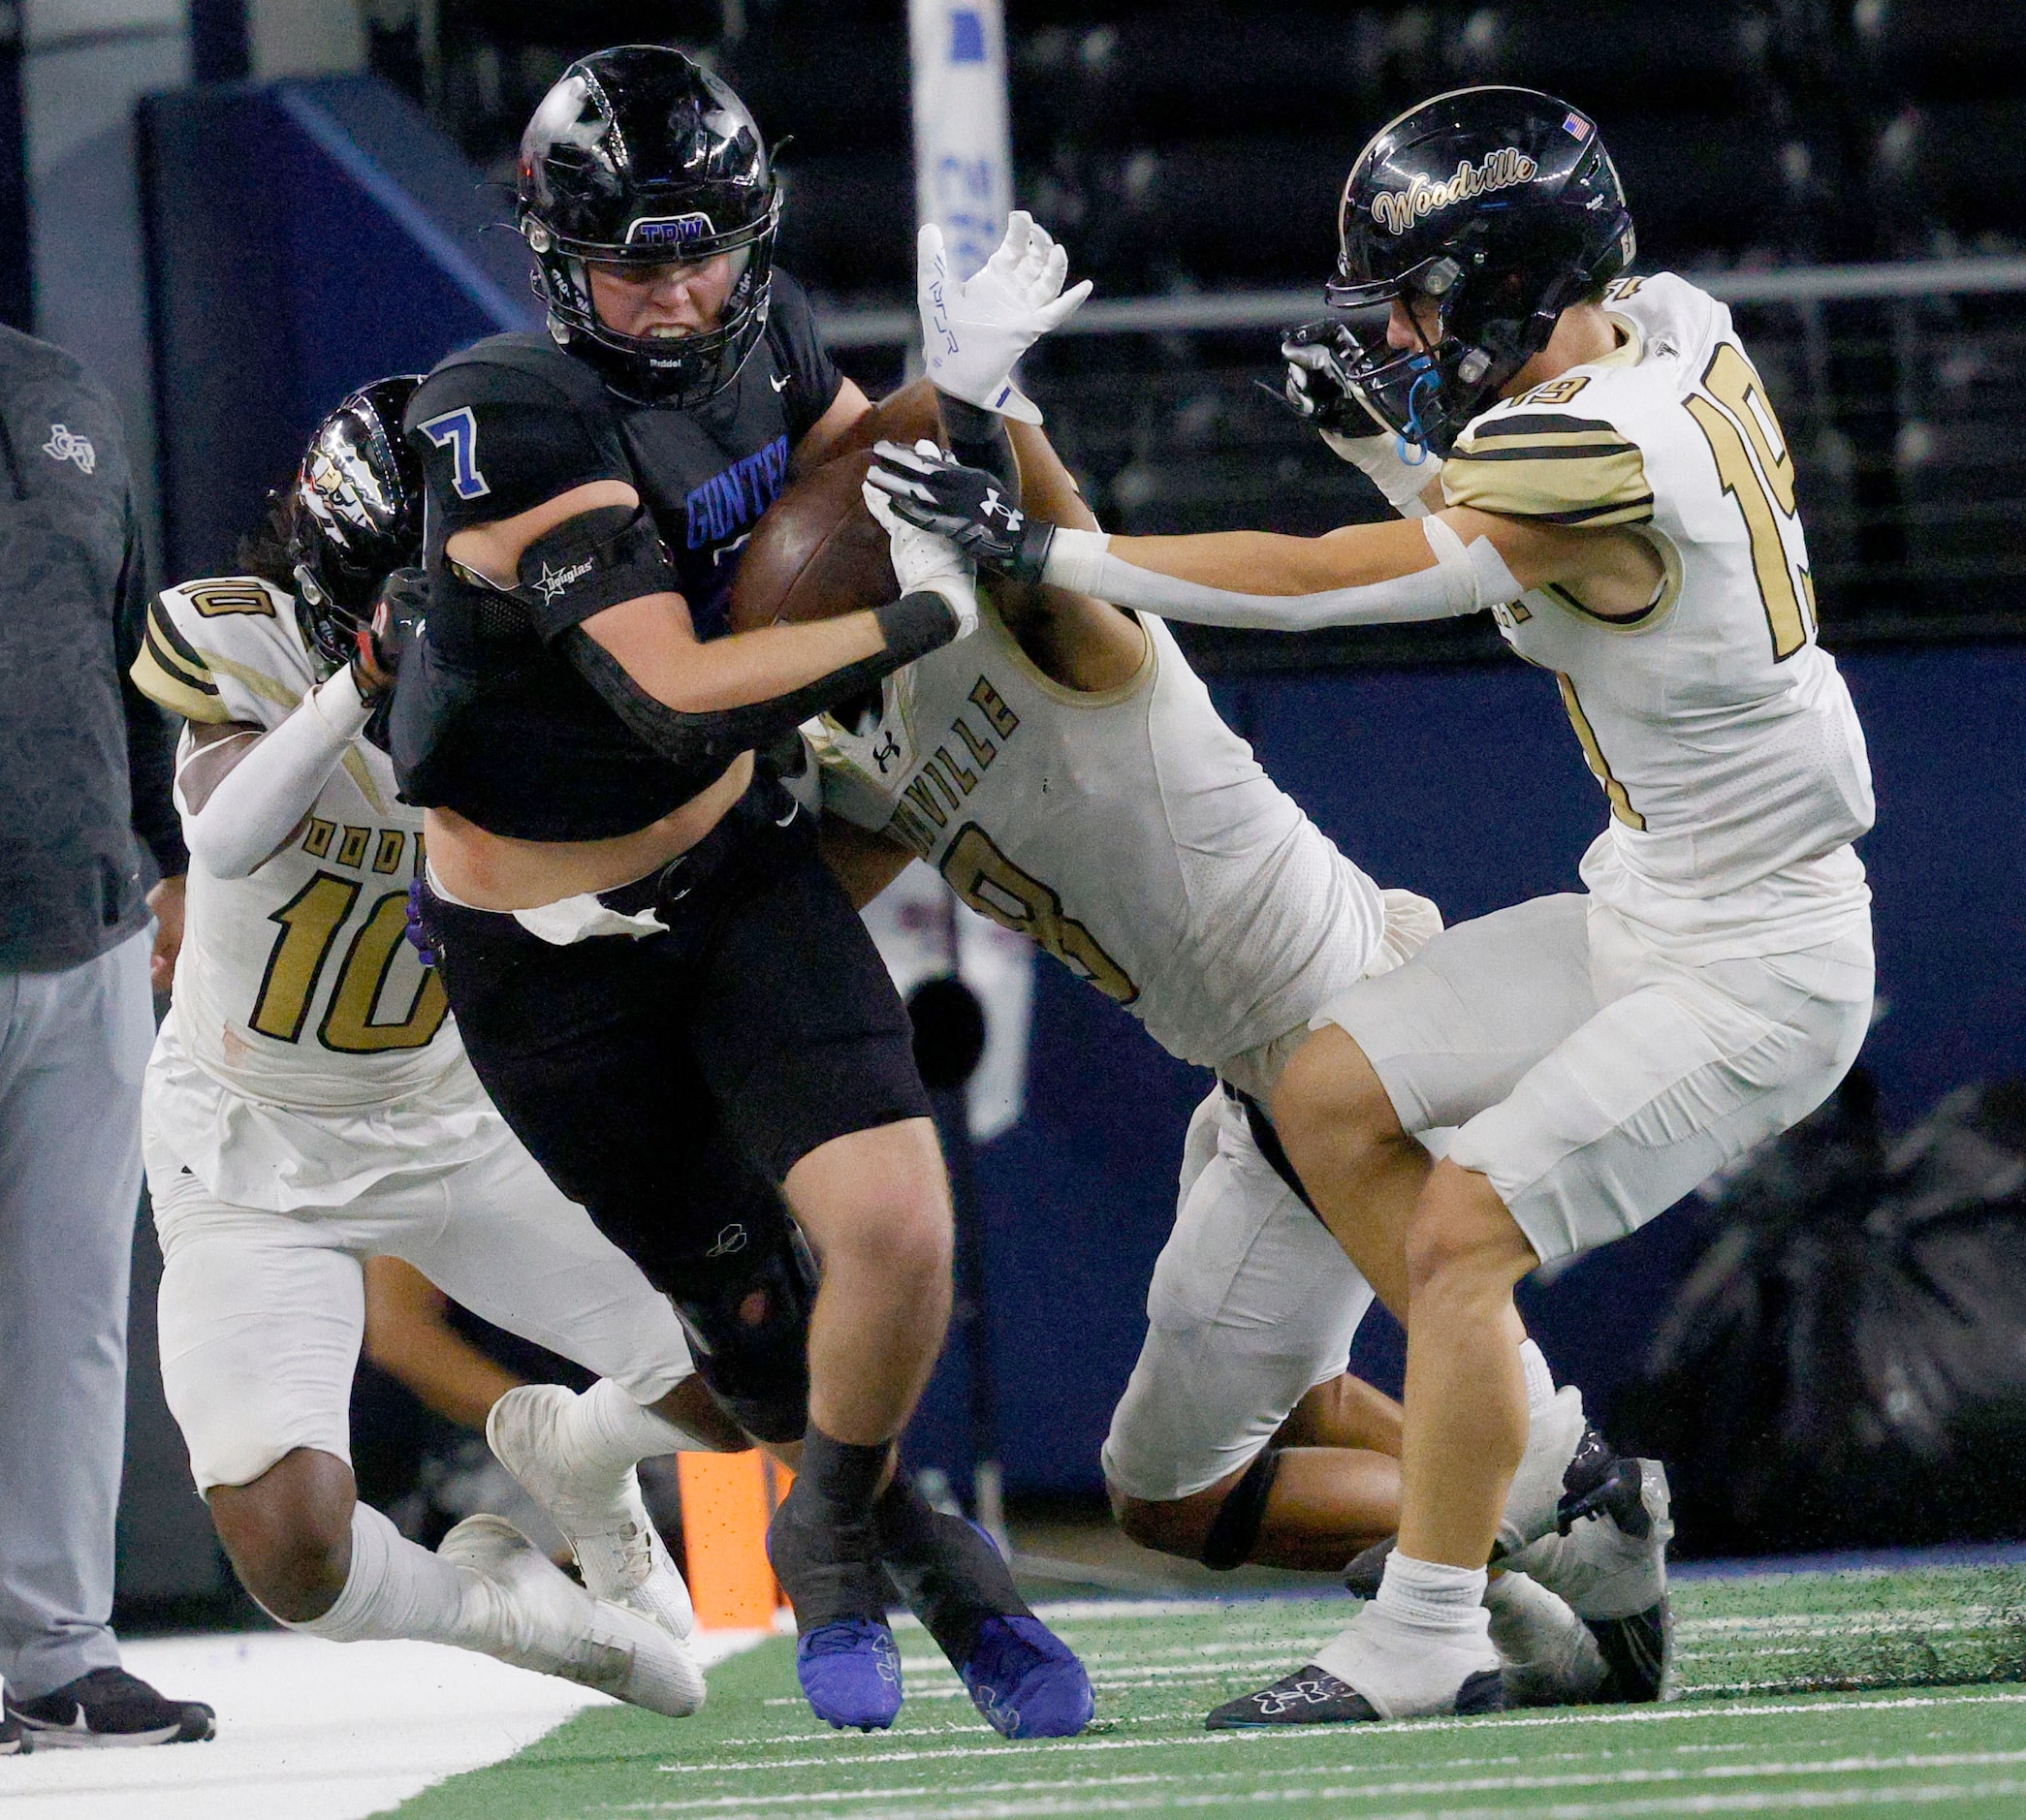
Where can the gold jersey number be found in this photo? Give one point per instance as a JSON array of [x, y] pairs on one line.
[[310, 922], [1736, 412], [992, 884]]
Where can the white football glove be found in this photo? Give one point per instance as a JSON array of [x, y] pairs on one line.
[[973, 329], [923, 560]]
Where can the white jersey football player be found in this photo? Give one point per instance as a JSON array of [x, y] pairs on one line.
[[1068, 773], [308, 1105], [1616, 489]]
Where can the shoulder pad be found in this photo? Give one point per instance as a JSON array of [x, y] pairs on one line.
[[224, 647], [507, 424], [499, 359], [1543, 456]]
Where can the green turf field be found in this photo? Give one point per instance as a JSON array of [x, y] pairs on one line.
[[1887, 1691]]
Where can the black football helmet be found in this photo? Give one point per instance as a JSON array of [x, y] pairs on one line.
[[1500, 205], [638, 156], [356, 513]]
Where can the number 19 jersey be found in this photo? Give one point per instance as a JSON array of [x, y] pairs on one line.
[[1131, 834], [294, 986], [1721, 732]]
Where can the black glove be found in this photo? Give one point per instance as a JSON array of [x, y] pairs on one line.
[[965, 505], [1316, 385], [388, 630]]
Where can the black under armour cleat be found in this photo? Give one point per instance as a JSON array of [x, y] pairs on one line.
[[1313, 1696], [15, 1740], [110, 1708]]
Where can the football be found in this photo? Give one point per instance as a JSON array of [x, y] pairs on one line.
[[818, 552]]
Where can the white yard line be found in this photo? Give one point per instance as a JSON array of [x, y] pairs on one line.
[[307, 1729], [1777, 1801], [1429, 1787], [1578, 1716]]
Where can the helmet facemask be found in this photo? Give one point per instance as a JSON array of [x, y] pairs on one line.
[[1427, 393], [682, 371]]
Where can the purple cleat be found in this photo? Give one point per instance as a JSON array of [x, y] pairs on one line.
[[1027, 1681], [850, 1671]]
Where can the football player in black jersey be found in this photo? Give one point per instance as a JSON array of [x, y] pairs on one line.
[[663, 988]]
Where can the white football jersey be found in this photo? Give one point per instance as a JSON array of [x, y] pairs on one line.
[[1722, 733], [295, 986], [1131, 834]]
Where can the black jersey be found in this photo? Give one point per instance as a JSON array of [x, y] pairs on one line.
[[504, 729]]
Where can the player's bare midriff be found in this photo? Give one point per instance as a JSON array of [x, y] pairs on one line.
[[498, 872]]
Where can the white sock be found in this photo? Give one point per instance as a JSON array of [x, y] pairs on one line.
[[610, 1431], [396, 1589], [1432, 1593], [1541, 1381]]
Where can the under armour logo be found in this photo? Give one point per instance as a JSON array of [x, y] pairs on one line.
[[65, 446], [1303, 1693], [552, 582], [993, 505], [732, 1238], [886, 752]]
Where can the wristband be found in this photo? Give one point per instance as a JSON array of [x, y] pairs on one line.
[[914, 625], [339, 706], [1076, 559]]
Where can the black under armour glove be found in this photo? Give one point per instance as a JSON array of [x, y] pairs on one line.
[[965, 505], [1316, 385], [388, 630]]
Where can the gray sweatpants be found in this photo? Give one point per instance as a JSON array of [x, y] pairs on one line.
[[73, 1048]]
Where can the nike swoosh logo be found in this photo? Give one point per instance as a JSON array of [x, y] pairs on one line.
[[781, 384]]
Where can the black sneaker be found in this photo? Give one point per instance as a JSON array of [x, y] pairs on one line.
[[1313, 1696], [15, 1740], [111, 1708]]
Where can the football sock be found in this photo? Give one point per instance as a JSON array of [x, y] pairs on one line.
[[823, 1540], [950, 1576], [608, 1431], [841, 1479], [397, 1589], [1541, 1381], [1433, 1594]]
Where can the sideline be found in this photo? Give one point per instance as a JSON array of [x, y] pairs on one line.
[[312, 1730]]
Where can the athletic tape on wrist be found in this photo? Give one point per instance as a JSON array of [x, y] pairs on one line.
[[339, 706]]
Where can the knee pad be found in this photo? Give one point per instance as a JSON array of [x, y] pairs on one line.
[[1236, 1527], [748, 1327]]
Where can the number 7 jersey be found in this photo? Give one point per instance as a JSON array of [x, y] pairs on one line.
[[295, 986], [1724, 740]]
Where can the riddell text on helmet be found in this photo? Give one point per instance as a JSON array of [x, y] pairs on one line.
[[1397, 210]]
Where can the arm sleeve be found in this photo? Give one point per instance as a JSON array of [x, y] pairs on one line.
[[1550, 468], [258, 804], [150, 738], [813, 380], [912, 626], [495, 442], [1460, 581]]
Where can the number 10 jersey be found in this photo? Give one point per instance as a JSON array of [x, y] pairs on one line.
[[294, 986]]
